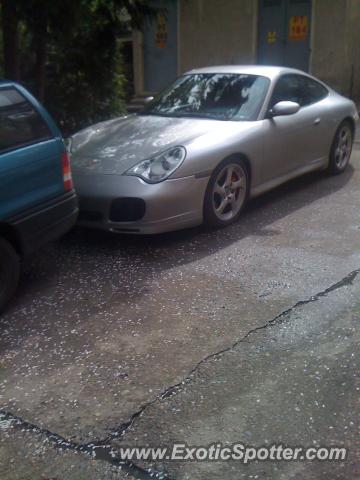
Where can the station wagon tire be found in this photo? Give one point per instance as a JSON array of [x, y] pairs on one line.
[[226, 193], [341, 148], [9, 272]]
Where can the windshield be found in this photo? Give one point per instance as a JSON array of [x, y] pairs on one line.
[[217, 96]]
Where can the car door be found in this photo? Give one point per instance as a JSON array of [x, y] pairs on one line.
[[30, 156], [294, 141]]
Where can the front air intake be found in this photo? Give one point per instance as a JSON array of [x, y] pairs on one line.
[[127, 209]]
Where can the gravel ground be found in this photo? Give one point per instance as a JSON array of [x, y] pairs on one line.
[[104, 326]]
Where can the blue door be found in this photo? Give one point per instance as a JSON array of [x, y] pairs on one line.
[[160, 47], [284, 33], [297, 40]]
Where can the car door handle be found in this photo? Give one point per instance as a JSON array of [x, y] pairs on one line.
[[317, 121]]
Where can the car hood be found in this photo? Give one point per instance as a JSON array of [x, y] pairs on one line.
[[115, 146]]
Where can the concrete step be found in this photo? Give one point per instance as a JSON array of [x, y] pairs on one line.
[[133, 108], [136, 103]]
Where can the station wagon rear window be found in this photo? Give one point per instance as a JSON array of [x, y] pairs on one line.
[[20, 123]]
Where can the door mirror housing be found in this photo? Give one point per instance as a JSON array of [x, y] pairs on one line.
[[148, 100], [284, 108]]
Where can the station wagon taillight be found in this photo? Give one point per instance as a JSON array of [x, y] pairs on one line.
[[68, 182]]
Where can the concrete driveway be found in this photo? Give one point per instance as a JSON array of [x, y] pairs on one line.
[[247, 334]]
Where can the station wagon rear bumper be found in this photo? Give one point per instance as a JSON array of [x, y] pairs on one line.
[[46, 222]]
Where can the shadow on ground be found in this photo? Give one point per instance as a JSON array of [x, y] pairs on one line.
[[160, 252]]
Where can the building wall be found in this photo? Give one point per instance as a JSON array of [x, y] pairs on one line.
[[216, 32], [353, 45], [335, 44]]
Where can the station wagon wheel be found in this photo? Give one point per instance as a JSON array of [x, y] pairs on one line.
[[9, 272], [226, 193], [341, 148]]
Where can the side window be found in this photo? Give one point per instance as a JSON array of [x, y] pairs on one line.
[[299, 89], [314, 91], [20, 123], [288, 87]]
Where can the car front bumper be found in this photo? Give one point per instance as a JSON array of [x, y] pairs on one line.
[[169, 205]]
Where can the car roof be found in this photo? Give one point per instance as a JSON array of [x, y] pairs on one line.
[[3, 81], [264, 70]]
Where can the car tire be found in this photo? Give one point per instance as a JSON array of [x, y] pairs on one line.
[[226, 193], [341, 148], [9, 272]]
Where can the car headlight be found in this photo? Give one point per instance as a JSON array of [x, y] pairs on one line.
[[160, 166]]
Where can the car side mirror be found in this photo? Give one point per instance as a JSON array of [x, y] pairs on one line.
[[148, 100], [284, 108]]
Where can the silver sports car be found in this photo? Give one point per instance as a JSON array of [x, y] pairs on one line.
[[198, 151]]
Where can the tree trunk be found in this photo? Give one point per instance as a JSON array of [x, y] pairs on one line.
[[10, 23], [40, 67]]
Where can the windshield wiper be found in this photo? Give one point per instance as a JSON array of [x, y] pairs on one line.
[[210, 116], [151, 112]]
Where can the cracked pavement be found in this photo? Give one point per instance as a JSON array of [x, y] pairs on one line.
[[246, 334]]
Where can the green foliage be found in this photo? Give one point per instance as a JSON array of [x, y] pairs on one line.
[[85, 80], [70, 55], [84, 89]]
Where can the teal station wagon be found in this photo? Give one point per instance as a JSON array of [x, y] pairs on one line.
[[37, 199]]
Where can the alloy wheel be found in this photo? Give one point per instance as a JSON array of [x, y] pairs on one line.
[[229, 192], [343, 147]]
